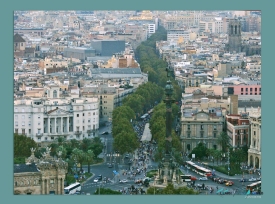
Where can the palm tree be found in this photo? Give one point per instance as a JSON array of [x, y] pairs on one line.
[[223, 140], [79, 156], [89, 157], [63, 150], [60, 140]]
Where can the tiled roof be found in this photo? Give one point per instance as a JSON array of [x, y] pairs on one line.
[[18, 38], [22, 168]]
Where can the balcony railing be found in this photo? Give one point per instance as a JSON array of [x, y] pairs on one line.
[[39, 134], [78, 132]]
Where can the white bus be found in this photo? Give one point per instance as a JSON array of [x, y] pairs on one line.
[[71, 189]]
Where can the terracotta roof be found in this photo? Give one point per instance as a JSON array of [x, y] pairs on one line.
[[18, 38]]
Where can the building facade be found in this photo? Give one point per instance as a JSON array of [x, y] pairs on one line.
[[238, 129], [254, 151], [45, 119], [40, 176], [201, 127], [234, 36]]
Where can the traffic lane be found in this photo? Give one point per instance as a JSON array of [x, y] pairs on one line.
[[209, 183], [92, 187], [100, 170]]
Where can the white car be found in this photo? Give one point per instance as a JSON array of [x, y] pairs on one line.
[[252, 179], [203, 178], [123, 181]]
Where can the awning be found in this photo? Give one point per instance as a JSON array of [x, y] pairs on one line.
[[219, 191]]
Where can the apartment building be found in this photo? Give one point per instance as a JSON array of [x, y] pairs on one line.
[[175, 35], [238, 129]]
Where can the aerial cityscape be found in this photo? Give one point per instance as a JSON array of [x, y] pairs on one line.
[[137, 102]]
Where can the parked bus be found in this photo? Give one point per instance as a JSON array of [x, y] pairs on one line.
[[254, 186], [188, 178], [71, 189], [198, 169]]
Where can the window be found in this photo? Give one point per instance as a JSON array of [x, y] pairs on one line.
[[52, 182], [201, 134], [30, 130], [250, 89], [23, 123], [83, 114], [89, 114], [241, 89], [254, 132], [93, 113], [54, 94], [39, 117], [201, 127], [23, 109], [215, 135], [89, 121], [29, 116], [16, 117], [16, 131], [77, 115], [15, 110], [52, 138], [188, 135], [46, 138], [215, 127], [188, 127], [246, 89], [255, 89], [16, 123]]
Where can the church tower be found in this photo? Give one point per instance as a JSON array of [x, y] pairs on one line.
[[234, 36]]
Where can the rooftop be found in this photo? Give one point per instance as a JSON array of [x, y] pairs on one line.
[[23, 168]]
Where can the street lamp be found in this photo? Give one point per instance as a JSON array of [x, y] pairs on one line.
[[228, 161]]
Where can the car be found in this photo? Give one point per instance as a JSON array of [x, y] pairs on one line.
[[193, 178], [110, 166], [258, 179], [127, 155], [243, 180], [98, 178], [229, 183], [252, 179], [105, 133], [220, 181], [123, 181], [203, 178]]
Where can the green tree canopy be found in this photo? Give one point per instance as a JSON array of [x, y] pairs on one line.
[[23, 145], [126, 142]]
